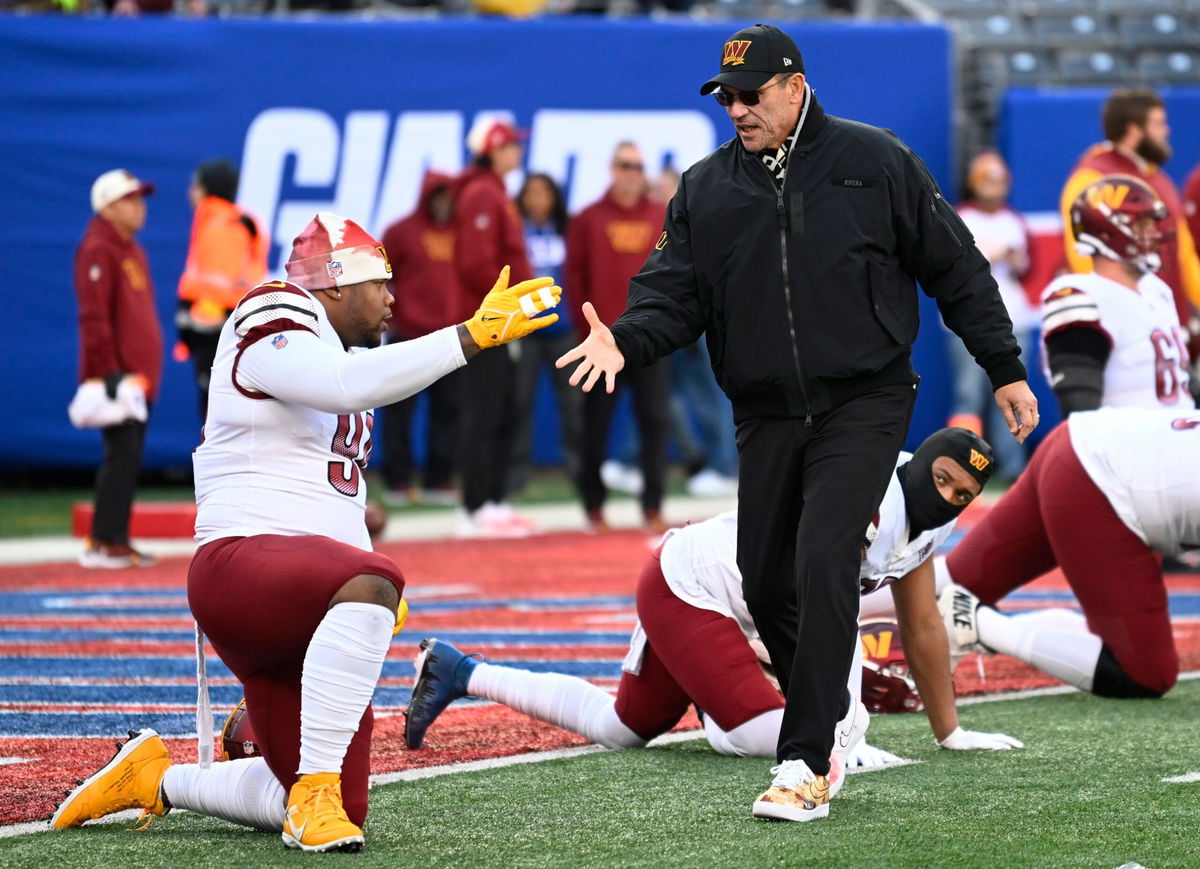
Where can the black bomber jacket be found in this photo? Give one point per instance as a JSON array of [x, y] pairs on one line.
[[807, 295]]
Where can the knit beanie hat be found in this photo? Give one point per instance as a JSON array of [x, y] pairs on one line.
[[335, 252]]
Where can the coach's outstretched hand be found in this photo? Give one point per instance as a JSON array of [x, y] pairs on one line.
[[508, 313], [599, 355], [971, 740]]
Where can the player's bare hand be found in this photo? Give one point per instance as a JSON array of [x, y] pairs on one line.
[[598, 355], [1020, 408]]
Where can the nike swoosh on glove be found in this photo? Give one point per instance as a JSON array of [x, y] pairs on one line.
[[509, 313], [971, 740]]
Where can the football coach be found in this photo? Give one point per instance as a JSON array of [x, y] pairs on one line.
[[795, 248]]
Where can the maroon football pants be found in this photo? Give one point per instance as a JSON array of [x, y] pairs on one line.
[[259, 599], [1055, 516], [692, 656]]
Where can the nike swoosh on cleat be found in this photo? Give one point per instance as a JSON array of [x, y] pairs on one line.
[[489, 319]]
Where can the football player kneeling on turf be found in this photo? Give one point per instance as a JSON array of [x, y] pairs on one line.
[[1107, 494], [694, 642], [284, 582]]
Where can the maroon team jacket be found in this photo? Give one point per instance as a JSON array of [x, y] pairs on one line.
[[607, 244], [424, 279], [487, 237], [118, 322]]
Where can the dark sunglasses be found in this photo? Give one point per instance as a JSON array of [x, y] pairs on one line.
[[747, 98], [632, 167]]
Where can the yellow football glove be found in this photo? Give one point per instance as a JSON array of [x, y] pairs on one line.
[[401, 616], [508, 313]]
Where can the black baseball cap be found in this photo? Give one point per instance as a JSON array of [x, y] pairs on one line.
[[751, 57]]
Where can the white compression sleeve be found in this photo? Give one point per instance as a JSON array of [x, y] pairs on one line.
[[1055, 641], [564, 701], [758, 737], [341, 669], [311, 373], [243, 791]]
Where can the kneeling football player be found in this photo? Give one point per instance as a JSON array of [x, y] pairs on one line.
[[694, 639], [1107, 494], [284, 582]]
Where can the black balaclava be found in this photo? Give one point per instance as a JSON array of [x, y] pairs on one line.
[[924, 504]]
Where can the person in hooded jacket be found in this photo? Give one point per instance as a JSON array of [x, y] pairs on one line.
[[425, 284]]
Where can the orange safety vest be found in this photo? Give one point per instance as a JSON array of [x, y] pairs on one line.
[[223, 263]]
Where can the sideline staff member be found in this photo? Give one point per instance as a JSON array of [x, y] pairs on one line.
[[796, 247]]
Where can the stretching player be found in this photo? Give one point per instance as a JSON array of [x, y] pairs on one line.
[[693, 640], [1106, 495], [1113, 338], [284, 582]]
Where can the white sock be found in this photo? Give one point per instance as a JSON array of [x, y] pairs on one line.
[[341, 669], [758, 737], [564, 701], [1057, 642], [243, 791]]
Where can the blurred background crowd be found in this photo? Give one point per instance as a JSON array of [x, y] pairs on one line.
[[673, 414]]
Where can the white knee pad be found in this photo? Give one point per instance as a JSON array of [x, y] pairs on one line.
[[757, 737]]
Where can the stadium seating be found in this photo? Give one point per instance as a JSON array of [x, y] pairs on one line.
[[1175, 67], [1095, 67]]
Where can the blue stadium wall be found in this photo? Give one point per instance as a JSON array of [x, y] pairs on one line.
[[344, 115], [1044, 131]]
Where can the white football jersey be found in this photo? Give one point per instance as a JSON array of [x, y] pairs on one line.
[[700, 561], [1148, 363], [288, 432], [1147, 463]]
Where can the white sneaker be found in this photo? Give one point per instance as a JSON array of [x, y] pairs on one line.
[[464, 523], [520, 526], [959, 608], [711, 484], [621, 478], [849, 732], [796, 794], [492, 521]]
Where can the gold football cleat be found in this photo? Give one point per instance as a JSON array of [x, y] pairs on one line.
[[316, 819], [131, 780]]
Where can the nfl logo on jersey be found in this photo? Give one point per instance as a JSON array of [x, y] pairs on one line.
[[279, 342], [334, 268]]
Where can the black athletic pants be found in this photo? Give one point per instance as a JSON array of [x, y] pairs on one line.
[[488, 422], [116, 481], [441, 436], [202, 347], [806, 494], [651, 408]]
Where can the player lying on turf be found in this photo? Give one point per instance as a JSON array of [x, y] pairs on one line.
[[284, 582], [692, 642], [1107, 494]]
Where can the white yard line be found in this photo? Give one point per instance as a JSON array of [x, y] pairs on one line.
[[1182, 779], [434, 525]]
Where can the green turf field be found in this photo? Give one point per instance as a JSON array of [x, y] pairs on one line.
[[1087, 791]]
